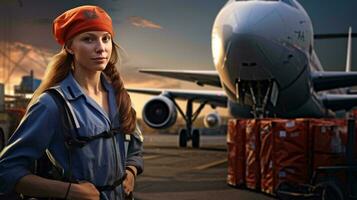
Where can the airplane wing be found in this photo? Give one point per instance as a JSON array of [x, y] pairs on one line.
[[332, 80], [201, 78], [214, 98], [339, 102], [333, 35]]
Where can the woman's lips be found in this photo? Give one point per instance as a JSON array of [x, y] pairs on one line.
[[99, 59]]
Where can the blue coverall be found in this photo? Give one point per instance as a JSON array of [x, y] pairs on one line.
[[100, 162]]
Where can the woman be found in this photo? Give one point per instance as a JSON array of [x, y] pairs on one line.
[[85, 74]]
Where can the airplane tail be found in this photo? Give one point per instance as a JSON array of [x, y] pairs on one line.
[[349, 50]]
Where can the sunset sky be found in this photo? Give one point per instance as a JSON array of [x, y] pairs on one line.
[[164, 34]]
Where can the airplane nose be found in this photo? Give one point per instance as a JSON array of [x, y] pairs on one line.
[[260, 18], [248, 44], [236, 30]]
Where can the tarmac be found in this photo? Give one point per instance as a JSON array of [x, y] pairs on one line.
[[173, 173], [187, 174]]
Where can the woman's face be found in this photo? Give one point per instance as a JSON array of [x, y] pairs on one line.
[[91, 50]]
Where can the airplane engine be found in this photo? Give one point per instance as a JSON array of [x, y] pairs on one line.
[[159, 112], [212, 120]]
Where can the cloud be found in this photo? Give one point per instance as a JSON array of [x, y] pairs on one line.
[[143, 23]]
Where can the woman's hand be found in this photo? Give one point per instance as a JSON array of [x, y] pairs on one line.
[[36, 186], [83, 191], [129, 181]]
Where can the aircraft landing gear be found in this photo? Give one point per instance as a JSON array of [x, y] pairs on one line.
[[188, 133], [195, 137], [183, 138]]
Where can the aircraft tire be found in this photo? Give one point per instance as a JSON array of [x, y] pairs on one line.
[[329, 190], [196, 138], [183, 138]]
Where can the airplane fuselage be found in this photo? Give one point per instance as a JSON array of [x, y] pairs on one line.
[[263, 52], [265, 62]]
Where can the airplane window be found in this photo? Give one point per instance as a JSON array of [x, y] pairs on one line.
[[290, 3]]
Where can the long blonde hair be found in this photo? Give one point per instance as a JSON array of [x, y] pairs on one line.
[[61, 65]]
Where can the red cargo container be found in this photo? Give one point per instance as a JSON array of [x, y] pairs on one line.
[[290, 151], [252, 149], [236, 152], [265, 153], [329, 136], [321, 160], [329, 141], [232, 152], [266, 156], [241, 141]]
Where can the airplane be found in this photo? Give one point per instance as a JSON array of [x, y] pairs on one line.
[[263, 52]]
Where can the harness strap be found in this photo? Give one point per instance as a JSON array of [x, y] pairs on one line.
[[113, 186], [70, 123], [81, 141]]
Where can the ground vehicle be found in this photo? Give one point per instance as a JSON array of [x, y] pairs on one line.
[[4, 129], [9, 119], [12, 109]]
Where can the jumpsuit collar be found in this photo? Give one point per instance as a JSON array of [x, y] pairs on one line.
[[72, 91]]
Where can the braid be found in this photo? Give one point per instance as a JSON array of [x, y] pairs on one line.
[[126, 111]]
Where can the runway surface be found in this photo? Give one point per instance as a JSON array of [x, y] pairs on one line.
[[187, 174]]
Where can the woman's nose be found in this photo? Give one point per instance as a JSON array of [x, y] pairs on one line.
[[100, 46]]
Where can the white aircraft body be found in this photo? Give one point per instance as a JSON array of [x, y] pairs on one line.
[[263, 51]]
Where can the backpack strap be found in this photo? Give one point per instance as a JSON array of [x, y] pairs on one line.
[[57, 94], [68, 118], [70, 123]]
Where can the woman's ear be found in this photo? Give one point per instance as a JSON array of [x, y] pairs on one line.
[[67, 47]]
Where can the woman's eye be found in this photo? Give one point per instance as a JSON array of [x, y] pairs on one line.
[[106, 39], [88, 39]]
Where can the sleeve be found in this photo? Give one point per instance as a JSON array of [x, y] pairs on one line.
[[135, 151], [28, 142]]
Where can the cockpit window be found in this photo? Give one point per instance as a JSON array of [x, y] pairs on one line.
[[290, 3]]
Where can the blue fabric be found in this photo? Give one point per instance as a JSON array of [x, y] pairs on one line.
[[100, 162]]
